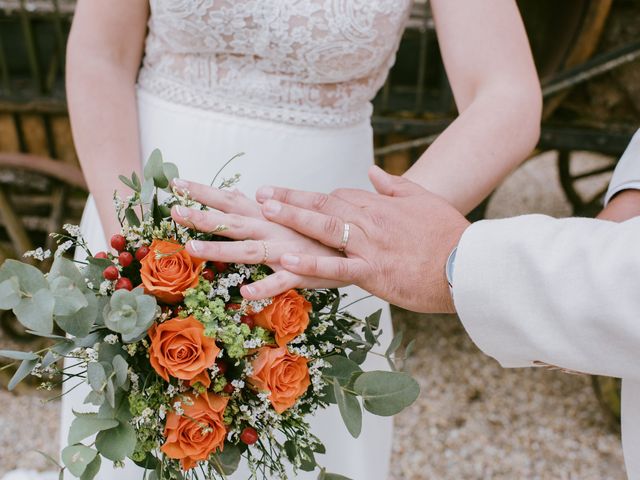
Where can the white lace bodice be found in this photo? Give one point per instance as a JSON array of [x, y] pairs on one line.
[[307, 62]]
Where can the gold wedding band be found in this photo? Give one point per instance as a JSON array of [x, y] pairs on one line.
[[345, 237], [265, 246]]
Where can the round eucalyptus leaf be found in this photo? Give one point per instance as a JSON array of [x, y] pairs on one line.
[[341, 368], [36, 313], [30, 278], [77, 458], [92, 469], [87, 424], [386, 393], [117, 443], [80, 323], [96, 376], [10, 293]]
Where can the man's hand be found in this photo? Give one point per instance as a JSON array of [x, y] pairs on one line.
[[398, 244], [623, 206]]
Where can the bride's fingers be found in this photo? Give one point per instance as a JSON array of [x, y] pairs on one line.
[[228, 201], [282, 281], [232, 226], [251, 252], [318, 202], [339, 269], [327, 229]]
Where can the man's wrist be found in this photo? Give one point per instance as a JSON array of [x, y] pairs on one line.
[[623, 206]]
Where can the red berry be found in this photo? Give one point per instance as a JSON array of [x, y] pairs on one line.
[[101, 255], [142, 252], [208, 274], [248, 321], [125, 259], [118, 242], [234, 306], [228, 388], [222, 366], [124, 282], [249, 436], [220, 266], [110, 273]]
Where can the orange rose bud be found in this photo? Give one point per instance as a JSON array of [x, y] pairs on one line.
[[285, 375], [168, 270], [198, 433], [287, 316], [180, 349]]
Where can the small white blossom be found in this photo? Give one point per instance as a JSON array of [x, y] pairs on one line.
[[73, 230], [111, 339], [38, 254]]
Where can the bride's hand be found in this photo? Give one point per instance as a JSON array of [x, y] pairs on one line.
[[237, 217]]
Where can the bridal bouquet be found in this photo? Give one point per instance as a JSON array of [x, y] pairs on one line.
[[186, 377]]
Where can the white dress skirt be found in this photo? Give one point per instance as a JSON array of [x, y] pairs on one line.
[[319, 159]]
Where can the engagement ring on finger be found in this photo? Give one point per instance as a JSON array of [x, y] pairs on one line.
[[345, 237]]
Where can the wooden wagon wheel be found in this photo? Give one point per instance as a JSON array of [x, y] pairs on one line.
[[22, 212]]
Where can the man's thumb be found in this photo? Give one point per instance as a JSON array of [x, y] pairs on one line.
[[391, 185]]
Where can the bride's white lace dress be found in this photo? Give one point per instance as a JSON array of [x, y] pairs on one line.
[[288, 82]]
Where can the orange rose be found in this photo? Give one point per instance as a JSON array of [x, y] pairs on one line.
[[287, 316], [179, 348], [285, 375], [168, 270], [198, 433]]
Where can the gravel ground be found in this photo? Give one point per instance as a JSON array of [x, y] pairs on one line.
[[474, 420]]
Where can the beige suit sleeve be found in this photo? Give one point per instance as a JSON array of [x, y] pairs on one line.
[[564, 292]]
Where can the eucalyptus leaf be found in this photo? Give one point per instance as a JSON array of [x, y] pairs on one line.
[[127, 182], [77, 458], [63, 267], [132, 217], [95, 398], [307, 460], [409, 350], [10, 293], [291, 450], [30, 278], [341, 368], [331, 476], [16, 355], [117, 443], [68, 298], [87, 424], [150, 462], [136, 181], [386, 393], [374, 319], [23, 371], [92, 469], [154, 170], [146, 194], [80, 323], [36, 313], [170, 171], [358, 355], [395, 344], [350, 410], [96, 376], [226, 462], [110, 392], [121, 369]]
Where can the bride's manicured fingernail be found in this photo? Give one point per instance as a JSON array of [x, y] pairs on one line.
[[264, 193], [196, 246], [183, 212], [180, 184], [249, 289], [272, 207], [289, 259]]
